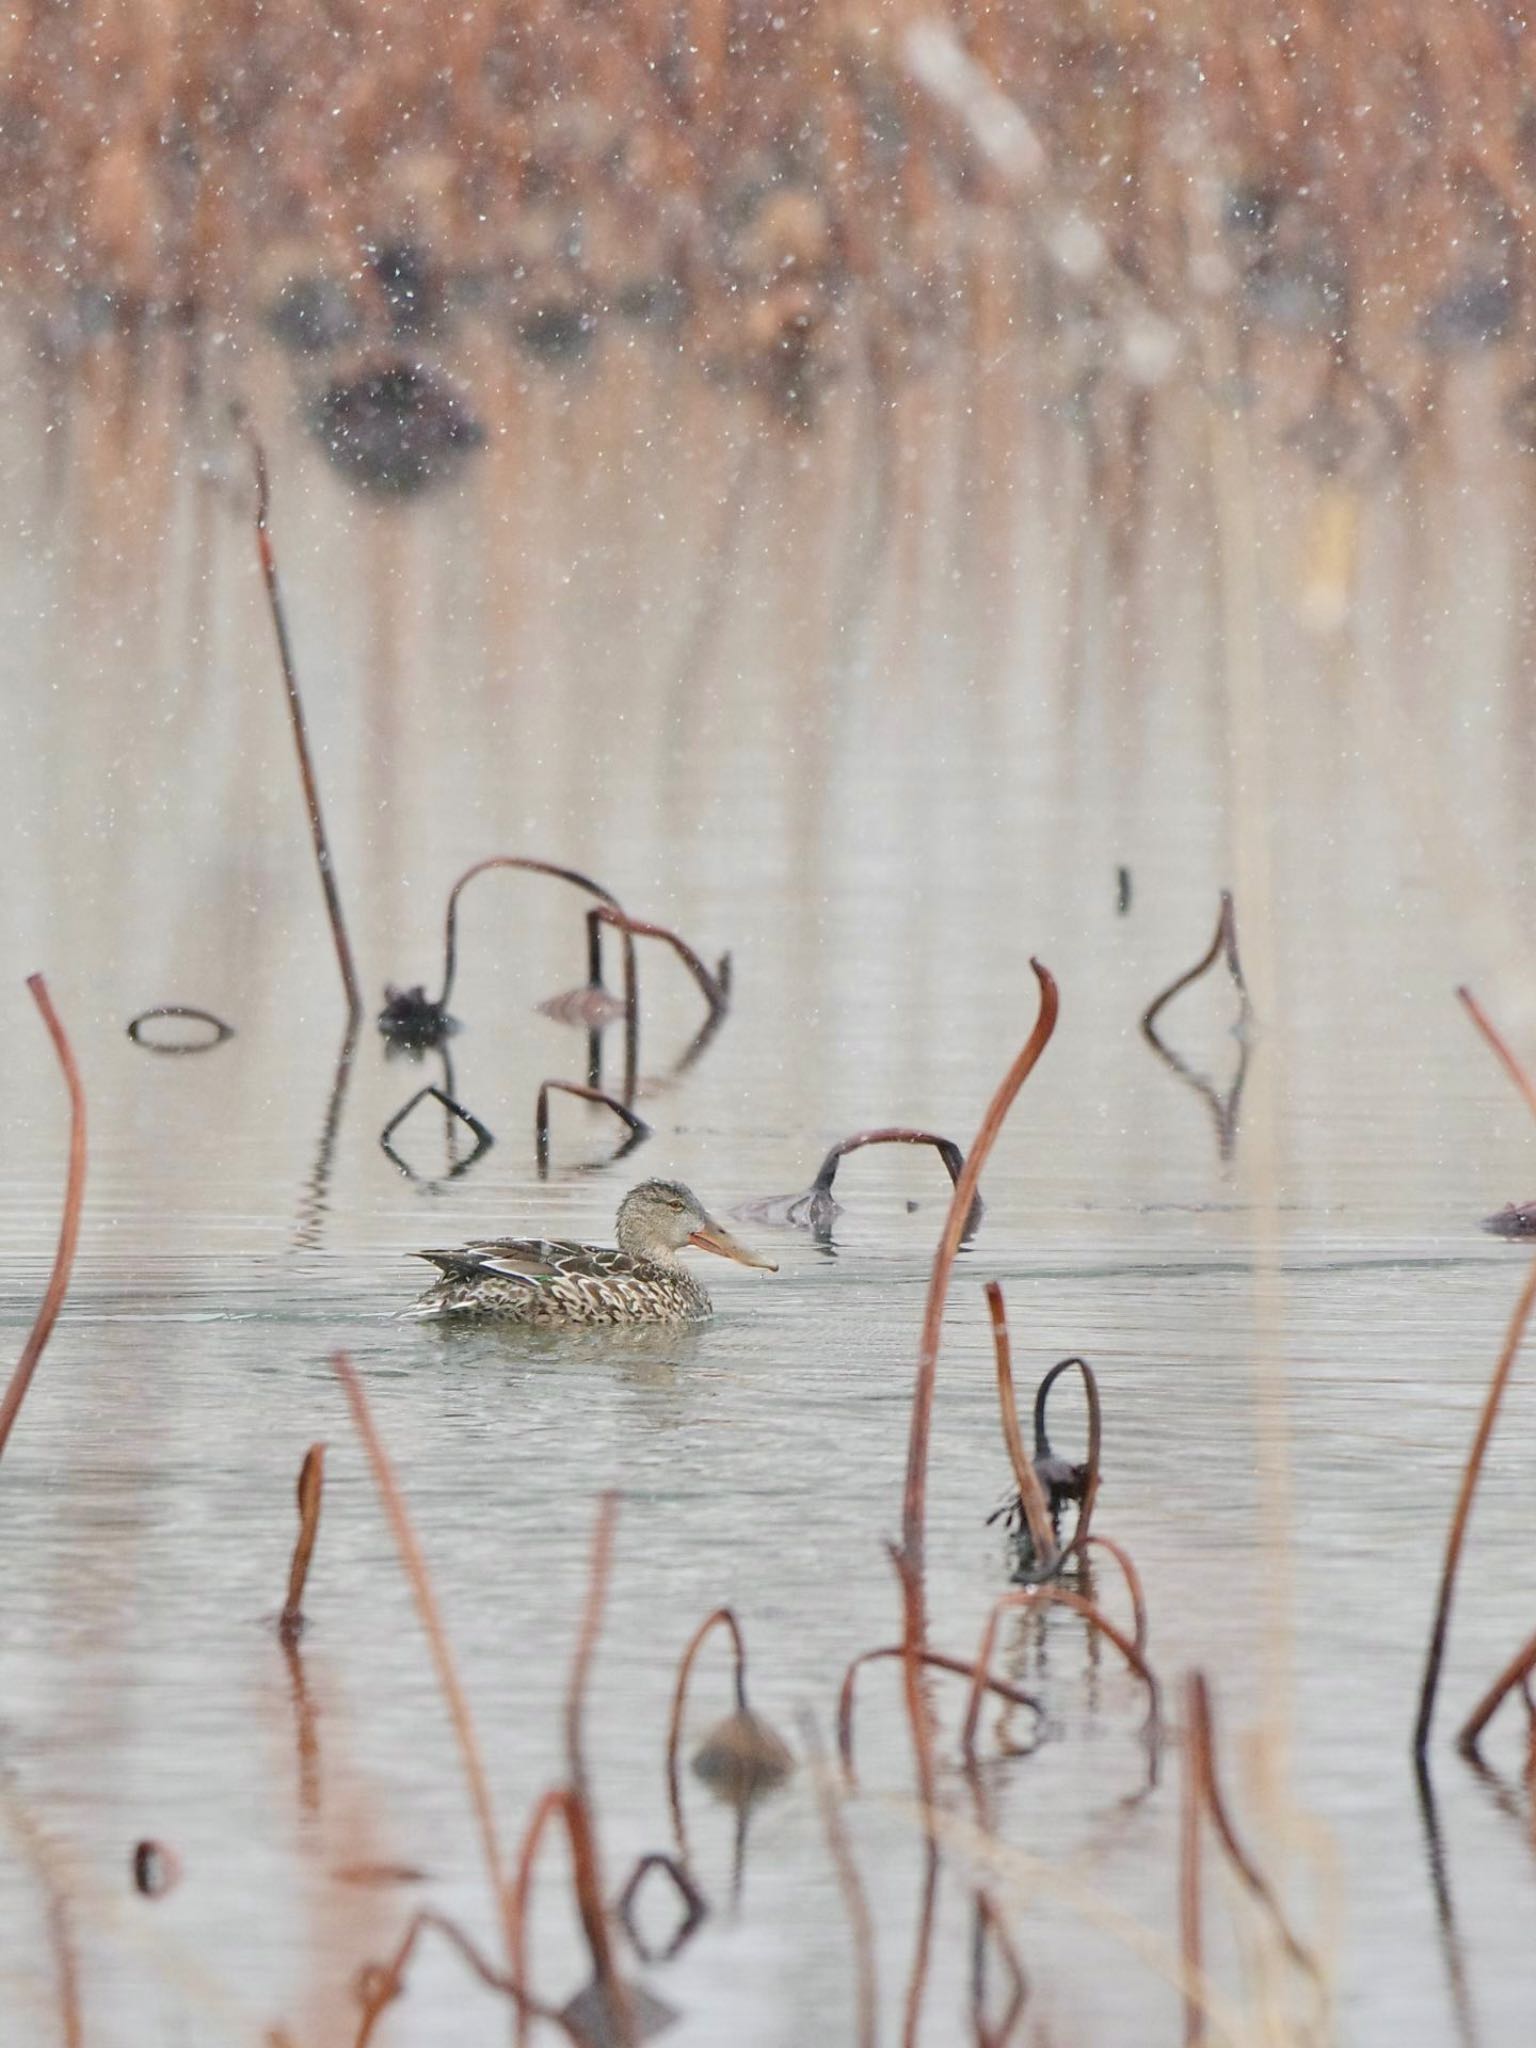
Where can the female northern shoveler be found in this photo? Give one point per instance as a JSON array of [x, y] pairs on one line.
[[553, 1280]]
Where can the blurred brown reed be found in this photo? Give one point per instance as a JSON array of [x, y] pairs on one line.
[[69, 1223], [311, 1487]]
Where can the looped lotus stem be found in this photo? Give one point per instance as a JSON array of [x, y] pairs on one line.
[[187, 1013]]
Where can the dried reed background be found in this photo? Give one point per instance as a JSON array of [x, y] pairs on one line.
[[744, 174]]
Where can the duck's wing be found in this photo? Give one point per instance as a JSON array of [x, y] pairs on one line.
[[533, 1259]]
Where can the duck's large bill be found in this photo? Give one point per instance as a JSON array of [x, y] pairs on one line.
[[714, 1237]]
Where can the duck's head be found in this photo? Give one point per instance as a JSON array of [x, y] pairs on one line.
[[658, 1218]]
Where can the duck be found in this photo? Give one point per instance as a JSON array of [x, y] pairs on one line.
[[555, 1281]]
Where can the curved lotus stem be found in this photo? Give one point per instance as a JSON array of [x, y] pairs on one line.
[[1095, 1440], [69, 1224], [723, 1617], [897, 1134], [639, 1130], [1052, 1596], [714, 988], [933, 1660], [915, 1497], [1224, 941], [505, 860]]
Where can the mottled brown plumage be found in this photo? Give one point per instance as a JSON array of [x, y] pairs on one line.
[[552, 1281]]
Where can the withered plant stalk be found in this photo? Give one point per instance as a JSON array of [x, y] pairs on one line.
[[1055, 1596], [69, 1226], [310, 1489], [414, 1564], [637, 1127], [307, 776], [723, 1617], [915, 1499], [829, 1802], [1037, 1514]]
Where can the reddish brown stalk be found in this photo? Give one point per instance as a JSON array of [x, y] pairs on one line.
[[714, 988], [69, 1226], [1456, 1536], [310, 1489], [528, 866], [380, 1984], [829, 1801], [40, 1854], [306, 1728], [989, 1921], [1132, 1583], [921, 1724], [638, 1128], [556, 1801], [723, 1617], [1510, 1679], [931, 1660], [893, 1134], [1500, 1045], [414, 1565], [1191, 1948], [1051, 1596], [1223, 942], [1200, 1738], [1037, 1514], [915, 1500], [599, 1568], [565, 1803], [586, 1870], [296, 719]]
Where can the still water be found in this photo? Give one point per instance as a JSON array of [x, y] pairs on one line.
[[880, 709]]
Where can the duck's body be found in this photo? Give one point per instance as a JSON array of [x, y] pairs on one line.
[[553, 1281]]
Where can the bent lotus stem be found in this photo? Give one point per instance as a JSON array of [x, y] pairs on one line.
[[1200, 1738], [1080, 1534], [897, 1134], [1133, 1585], [931, 1660], [1053, 1596], [639, 1129], [714, 988], [69, 1222], [567, 1805], [723, 1617], [525, 865], [915, 1497], [1224, 942], [608, 901], [380, 1984], [1514, 1674]]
